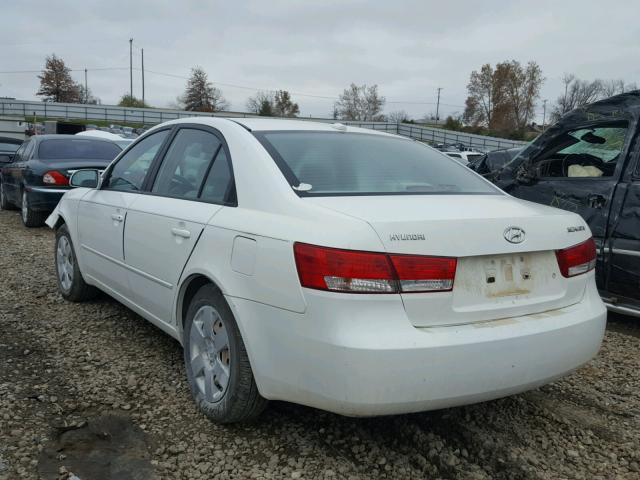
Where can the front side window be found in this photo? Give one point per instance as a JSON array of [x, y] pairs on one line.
[[186, 163], [130, 171], [592, 151], [77, 149], [336, 163]]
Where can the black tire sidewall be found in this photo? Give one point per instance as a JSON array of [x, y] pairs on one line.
[[3, 197]]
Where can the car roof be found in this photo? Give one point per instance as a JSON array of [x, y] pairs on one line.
[[271, 124]]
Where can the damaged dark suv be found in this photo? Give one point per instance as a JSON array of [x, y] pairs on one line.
[[588, 163]]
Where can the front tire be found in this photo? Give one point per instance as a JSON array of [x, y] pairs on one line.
[[216, 361], [30, 218], [5, 204], [70, 282]]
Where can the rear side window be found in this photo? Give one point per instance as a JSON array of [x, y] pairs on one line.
[[367, 164], [186, 163], [77, 149], [129, 172], [218, 185]]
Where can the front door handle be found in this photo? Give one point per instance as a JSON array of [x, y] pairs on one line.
[[117, 217], [179, 232]]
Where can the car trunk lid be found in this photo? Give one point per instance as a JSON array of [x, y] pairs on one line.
[[495, 278]]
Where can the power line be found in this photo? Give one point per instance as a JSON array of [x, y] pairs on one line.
[[71, 70]]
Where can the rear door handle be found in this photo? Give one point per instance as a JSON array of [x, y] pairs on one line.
[[179, 232], [117, 217]]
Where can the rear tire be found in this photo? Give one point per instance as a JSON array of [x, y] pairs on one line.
[[5, 204], [31, 218], [216, 361], [68, 277]]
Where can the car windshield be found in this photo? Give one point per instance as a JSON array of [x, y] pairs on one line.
[[77, 149], [328, 163]]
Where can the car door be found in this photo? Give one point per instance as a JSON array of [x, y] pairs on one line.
[[623, 248], [578, 170], [102, 214], [13, 172], [190, 186]]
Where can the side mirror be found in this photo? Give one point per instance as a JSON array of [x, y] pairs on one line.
[[5, 158], [88, 178]]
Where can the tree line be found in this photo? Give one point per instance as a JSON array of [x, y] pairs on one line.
[[355, 103], [501, 99]]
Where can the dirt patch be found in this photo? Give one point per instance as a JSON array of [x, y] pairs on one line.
[[101, 448]]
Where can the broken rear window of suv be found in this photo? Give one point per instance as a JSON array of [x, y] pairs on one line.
[[319, 163]]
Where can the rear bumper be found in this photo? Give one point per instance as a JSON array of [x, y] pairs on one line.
[[45, 199], [363, 357]]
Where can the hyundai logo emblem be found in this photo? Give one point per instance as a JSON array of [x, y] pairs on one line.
[[514, 235]]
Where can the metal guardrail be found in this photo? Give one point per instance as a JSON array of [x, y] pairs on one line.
[[152, 116]]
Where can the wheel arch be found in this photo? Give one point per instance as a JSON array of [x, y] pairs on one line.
[[188, 288]]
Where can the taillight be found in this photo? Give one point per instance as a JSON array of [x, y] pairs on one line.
[[53, 177], [417, 273], [352, 271], [578, 259]]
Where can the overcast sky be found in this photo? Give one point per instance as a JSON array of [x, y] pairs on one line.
[[408, 48]]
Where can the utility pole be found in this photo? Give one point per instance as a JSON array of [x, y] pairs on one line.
[[438, 106], [131, 67], [544, 112], [142, 55], [86, 88]]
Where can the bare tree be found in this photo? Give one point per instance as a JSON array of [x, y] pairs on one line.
[[56, 84], [86, 96], [577, 93], [615, 87], [200, 95], [398, 116], [256, 103], [360, 103]]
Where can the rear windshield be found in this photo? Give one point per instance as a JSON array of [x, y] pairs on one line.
[[9, 147], [77, 149], [361, 164]]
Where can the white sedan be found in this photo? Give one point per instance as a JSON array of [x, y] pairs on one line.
[[346, 269]]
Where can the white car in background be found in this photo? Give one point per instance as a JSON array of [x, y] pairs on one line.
[[346, 269], [121, 141], [464, 157]]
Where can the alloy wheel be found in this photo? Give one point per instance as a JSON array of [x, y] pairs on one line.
[[209, 353], [25, 207], [64, 261]]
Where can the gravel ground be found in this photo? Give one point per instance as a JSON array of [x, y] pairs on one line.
[[92, 391]]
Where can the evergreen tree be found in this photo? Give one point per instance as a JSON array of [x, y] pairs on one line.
[[200, 95]]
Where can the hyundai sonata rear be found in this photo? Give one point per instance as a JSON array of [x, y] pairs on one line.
[[344, 269]]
